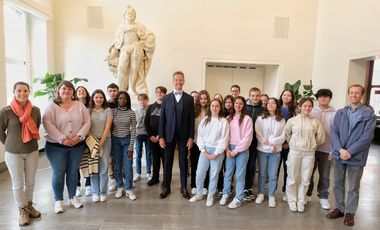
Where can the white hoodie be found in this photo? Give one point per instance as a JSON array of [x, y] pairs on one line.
[[271, 129], [326, 117]]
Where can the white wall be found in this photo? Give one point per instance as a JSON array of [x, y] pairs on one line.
[[3, 90], [346, 30], [271, 81], [187, 33]]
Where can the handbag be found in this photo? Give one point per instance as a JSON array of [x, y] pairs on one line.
[[93, 144]]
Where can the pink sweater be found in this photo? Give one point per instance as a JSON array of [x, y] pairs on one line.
[[241, 135], [60, 123]]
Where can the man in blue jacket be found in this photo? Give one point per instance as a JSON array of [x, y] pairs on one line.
[[351, 136]]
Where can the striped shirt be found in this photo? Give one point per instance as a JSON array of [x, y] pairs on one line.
[[124, 123]]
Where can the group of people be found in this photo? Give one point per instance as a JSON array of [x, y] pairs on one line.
[[225, 137]]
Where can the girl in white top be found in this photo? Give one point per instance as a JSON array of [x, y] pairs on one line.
[[303, 133], [270, 133], [212, 141], [101, 122]]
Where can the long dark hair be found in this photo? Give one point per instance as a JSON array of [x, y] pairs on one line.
[[88, 97], [68, 84], [225, 111], [232, 114], [209, 114], [277, 113], [128, 105], [92, 103], [292, 105]]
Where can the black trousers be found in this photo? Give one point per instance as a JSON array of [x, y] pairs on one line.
[[194, 157], [251, 167], [284, 158], [158, 155], [182, 161]]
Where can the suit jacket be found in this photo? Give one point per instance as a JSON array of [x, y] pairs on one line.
[[167, 125]]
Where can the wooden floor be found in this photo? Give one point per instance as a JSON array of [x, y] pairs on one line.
[[174, 212]]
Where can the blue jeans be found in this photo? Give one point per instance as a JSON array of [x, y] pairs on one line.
[[64, 161], [99, 180], [140, 140], [120, 147], [268, 163], [203, 165], [240, 162]]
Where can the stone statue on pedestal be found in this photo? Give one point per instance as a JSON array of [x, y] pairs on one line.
[[131, 54]]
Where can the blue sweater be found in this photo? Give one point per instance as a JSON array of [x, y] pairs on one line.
[[355, 135]]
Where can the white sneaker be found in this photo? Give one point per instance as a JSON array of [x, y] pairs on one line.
[[195, 198], [272, 202], [194, 191], [284, 198], [235, 203], [103, 198], [95, 198], [130, 194], [112, 185], [75, 202], [292, 206], [224, 199], [58, 207], [210, 201], [88, 191], [119, 193], [204, 192], [148, 176], [78, 192], [300, 207], [324, 204], [137, 177], [260, 198], [308, 199]]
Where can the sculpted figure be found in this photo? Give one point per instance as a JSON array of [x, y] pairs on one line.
[[131, 54]]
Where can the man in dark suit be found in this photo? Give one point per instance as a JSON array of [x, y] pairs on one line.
[[176, 127]]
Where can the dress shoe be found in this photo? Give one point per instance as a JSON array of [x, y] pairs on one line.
[[349, 219], [336, 213], [152, 182], [164, 193], [185, 193]]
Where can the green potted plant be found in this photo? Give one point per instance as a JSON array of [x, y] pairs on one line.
[[51, 83], [307, 90]]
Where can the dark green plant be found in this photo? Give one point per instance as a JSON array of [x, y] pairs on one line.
[[307, 90], [51, 82]]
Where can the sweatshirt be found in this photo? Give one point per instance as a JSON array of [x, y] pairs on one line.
[[271, 129], [326, 117], [213, 135], [241, 135], [304, 133]]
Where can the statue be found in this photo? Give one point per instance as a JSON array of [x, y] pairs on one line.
[[131, 54]]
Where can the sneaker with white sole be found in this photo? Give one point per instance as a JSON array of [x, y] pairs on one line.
[[195, 198], [251, 195], [194, 191], [88, 191], [205, 191], [235, 203], [224, 199], [103, 198], [284, 198], [119, 193], [272, 202], [137, 177], [292, 206], [58, 207], [246, 196], [130, 194], [260, 198], [210, 201], [308, 199], [300, 207], [75, 202], [324, 204], [95, 198], [149, 176], [78, 192], [112, 185]]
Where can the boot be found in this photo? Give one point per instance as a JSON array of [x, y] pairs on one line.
[[23, 217], [33, 213]]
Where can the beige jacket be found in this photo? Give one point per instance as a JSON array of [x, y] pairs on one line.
[[304, 133]]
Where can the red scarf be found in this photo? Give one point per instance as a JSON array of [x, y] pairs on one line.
[[29, 128]]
